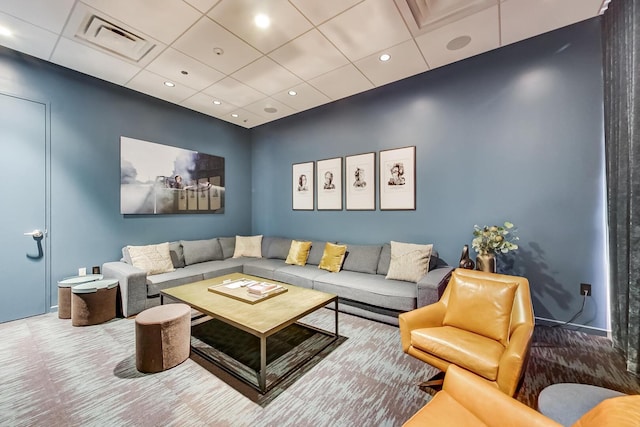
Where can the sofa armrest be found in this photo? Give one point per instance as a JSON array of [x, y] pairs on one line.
[[432, 285], [133, 285], [424, 317], [513, 360]]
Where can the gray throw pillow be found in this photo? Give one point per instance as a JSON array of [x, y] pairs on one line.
[[279, 248], [316, 252], [196, 251], [177, 254], [362, 258], [228, 245]]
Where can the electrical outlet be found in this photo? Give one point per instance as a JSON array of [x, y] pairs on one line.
[[585, 287]]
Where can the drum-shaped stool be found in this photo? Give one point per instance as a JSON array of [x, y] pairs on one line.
[[64, 292], [93, 302], [163, 337]]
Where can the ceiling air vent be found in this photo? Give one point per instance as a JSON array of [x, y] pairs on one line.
[[436, 13], [115, 39]]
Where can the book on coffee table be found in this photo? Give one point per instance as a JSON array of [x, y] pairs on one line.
[[262, 288], [249, 291]]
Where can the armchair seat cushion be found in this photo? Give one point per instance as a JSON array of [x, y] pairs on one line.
[[468, 350]]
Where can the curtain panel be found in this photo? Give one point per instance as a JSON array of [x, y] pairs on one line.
[[621, 56]]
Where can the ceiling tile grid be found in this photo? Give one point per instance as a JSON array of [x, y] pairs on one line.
[[217, 61]]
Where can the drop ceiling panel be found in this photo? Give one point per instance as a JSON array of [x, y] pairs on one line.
[[201, 40], [172, 63], [306, 97], [481, 28], [234, 92], [202, 5], [153, 84], [522, 19], [319, 11], [164, 20], [406, 60], [266, 76], [204, 104], [79, 57], [309, 55], [367, 28], [258, 108], [47, 14], [340, 83], [245, 118], [27, 38], [238, 17]]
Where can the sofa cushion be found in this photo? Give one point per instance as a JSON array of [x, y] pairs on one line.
[[489, 301], [228, 245], [299, 275], [249, 246], [333, 257], [278, 248], [153, 259], [177, 254], [316, 252], [262, 267], [362, 258], [213, 269], [409, 261], [371, 289], [298, 253], [196, 251]]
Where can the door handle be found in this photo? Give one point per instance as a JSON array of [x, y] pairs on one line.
[[36, 234]]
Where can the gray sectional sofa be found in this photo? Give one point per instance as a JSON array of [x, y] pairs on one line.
[[361, 285]]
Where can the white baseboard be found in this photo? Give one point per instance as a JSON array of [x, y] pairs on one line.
[[582, 328]]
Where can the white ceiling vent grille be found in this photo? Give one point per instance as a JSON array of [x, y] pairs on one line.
[[115, 39], [436, 13]]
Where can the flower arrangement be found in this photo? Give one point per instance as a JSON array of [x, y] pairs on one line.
[[492, 239]]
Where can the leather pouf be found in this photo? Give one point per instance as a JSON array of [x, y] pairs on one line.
[[163, 337]]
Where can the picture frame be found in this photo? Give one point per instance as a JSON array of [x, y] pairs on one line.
[[302, 185], [360, 182], [397, 172], [329, 184]]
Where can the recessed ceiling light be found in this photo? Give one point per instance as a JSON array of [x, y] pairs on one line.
[[262, 21], [234, 115], [458, 42], [4, 31], [169, 84], [293, 93], [385, 57], [217, 102]]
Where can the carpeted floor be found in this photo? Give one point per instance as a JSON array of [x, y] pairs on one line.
[[54, 374]]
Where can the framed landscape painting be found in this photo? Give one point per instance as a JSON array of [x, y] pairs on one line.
[[329, 182], [302, 186], [161, 179], [360, 182], [398, 179]]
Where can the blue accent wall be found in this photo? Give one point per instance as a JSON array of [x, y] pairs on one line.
[[88, 117], [513, 134]]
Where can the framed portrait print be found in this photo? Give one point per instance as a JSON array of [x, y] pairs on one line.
[[360, 182], [398, 179], [329, 183], [302, 186]]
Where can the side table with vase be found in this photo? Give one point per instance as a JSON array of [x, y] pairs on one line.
[[491, 240]]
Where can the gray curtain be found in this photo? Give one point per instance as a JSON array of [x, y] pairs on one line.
[[621, 46]]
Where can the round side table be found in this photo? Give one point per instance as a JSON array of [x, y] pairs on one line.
[[64, 292]]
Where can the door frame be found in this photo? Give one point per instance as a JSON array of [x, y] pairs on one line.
[[47, 194]]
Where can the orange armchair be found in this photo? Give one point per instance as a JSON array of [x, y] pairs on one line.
[[467, 400], [483, 323]]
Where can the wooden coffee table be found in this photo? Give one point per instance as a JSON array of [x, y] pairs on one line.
[[261, 319]]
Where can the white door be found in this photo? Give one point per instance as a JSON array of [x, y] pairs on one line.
[[23, 141]]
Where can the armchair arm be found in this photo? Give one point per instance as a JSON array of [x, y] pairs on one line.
[[486, 401], [423, 317], [512, 362], [133, 285], [432, 285]]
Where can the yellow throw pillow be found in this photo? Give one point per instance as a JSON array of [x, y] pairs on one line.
[[481, 306], [154, 259], [298, 253], [250, 246], [409, 262], [332, 257]]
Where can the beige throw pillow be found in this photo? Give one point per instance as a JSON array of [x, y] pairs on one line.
[[409, 262], [250, 246], [153, 259]]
